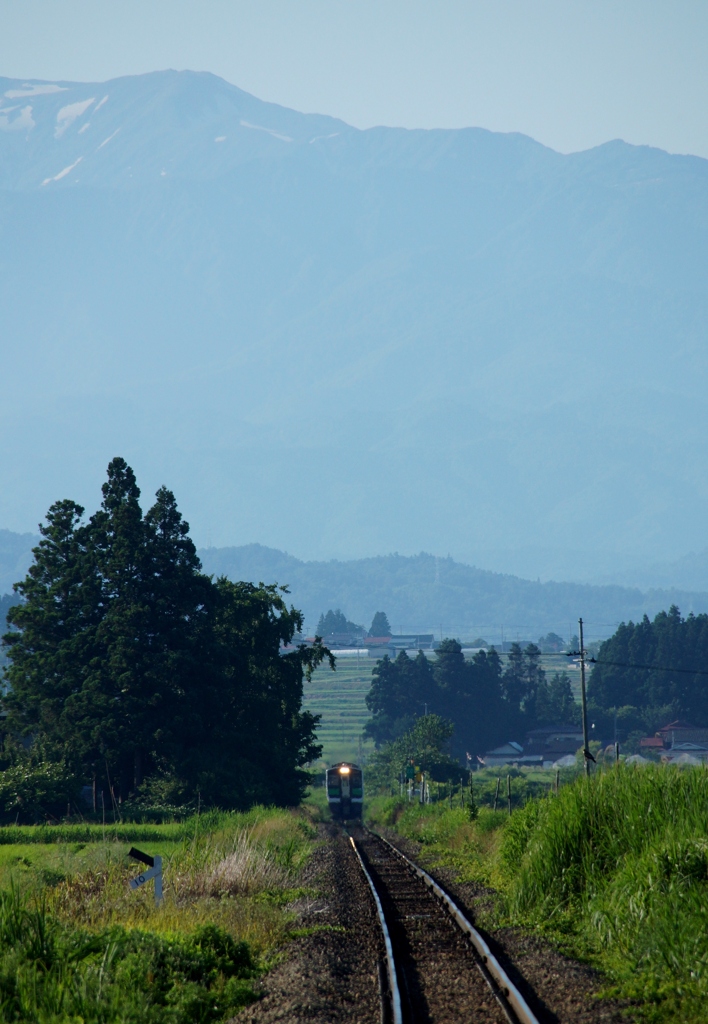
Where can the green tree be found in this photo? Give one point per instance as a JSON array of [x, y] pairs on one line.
[[523, 676], [399, 692], [426, 744], [467, 693], [656, 667], [551, 643], [245, 738], [336, 622], [51, 641], [555, 704], [124, 659], [379, 625]]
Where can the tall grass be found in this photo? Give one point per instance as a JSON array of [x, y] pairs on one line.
[[614, 867], [450, 836], [53, 974], [234, 870], [620, 862], [88, 949], [122, 832]]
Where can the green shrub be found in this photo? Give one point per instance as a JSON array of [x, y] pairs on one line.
[[31, 792], [54, 974]]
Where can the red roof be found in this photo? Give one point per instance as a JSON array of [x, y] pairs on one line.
[[678, 724]]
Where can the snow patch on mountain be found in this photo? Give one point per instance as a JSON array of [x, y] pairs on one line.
[[34, 90], [269, 131], [100, 104], [105, 141], [23, 121], [68, 114], [63, 174]]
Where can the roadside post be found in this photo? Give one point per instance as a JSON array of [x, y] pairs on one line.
[[154, 865]]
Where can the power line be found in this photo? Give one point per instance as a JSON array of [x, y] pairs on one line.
[[631, 664]]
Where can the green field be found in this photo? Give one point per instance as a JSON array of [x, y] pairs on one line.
[[339, 697], [78, 944]]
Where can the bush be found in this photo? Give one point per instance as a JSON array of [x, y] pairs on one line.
[[32, 792], [52, 973]]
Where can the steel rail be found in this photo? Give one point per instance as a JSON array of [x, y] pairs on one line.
[[394, 992], [499, 982]]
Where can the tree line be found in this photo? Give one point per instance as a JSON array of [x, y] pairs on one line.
[[650, 673], [487, 702], [146, 677], [335, 621]]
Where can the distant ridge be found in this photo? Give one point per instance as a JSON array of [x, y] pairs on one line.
[[426, 592], [350, 341], [418, 592]]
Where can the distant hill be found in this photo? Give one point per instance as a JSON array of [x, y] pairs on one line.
[[420, 592], [689, 572], [339, 341], [426, 593]]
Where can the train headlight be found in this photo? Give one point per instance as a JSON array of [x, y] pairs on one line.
[[344, 770]]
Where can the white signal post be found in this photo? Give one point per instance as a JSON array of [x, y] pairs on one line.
[[154, 871]]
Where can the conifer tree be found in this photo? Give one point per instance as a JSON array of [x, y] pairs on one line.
[[127, 660]]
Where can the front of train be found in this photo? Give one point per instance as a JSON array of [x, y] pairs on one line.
[[345, 790]]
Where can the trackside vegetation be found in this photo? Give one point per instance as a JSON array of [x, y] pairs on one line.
[[77, 945], [613, 869]]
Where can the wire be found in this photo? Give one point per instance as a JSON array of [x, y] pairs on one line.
[[649, 668]]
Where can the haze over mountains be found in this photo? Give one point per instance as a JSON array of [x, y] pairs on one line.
[[345, 342], [420, 593]]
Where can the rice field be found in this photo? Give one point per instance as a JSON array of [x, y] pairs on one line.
[[340, 697]]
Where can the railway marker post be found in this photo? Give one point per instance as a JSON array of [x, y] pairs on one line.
[[496, 795], [508, 792], [155, 871]]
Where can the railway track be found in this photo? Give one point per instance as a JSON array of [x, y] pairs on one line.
[[437, 968]]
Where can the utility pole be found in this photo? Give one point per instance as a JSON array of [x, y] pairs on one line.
[[586, 750]]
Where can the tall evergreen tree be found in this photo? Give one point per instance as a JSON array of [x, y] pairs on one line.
[[399, 693], [126, 659], [656, 667], [379, 625]]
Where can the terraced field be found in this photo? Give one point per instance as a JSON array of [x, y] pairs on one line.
[[340, 698]]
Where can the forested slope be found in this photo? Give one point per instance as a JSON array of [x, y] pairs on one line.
[[424, 591]]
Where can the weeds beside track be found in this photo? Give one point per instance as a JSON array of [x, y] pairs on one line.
[[86, 948], [614, 869]]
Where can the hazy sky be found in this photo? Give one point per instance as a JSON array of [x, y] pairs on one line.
[[571, 74]]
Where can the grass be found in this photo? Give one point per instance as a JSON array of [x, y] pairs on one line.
[[448, 836], [76, 944], [613, 869], [11, 835]]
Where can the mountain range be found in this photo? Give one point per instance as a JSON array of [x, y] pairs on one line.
[[342, 342], [420, 593]]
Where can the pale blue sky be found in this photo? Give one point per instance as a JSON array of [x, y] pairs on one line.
[[571, 74]]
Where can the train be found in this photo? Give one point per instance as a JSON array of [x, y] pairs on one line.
[[345, 790]]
